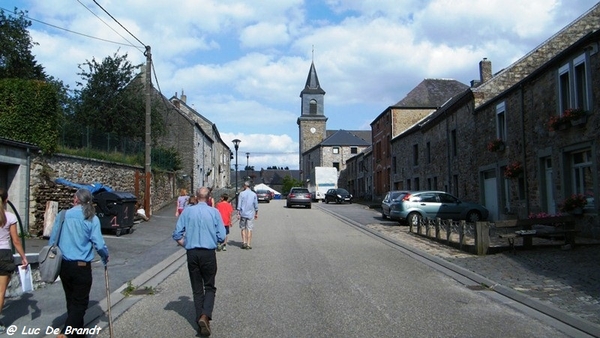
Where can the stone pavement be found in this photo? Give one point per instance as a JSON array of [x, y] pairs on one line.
[[564, 279]]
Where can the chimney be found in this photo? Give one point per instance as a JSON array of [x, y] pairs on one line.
[[183, 97], [485, 70]]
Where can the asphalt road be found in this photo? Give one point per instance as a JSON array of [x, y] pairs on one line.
[[311, 274]]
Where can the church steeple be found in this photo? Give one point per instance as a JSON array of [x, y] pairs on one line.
[[312, 120], [312, 82]]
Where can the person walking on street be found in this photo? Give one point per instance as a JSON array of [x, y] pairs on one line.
[[80, 234], [8, 233], [225, 209], [182, 201], [200, 230], [247, 212]]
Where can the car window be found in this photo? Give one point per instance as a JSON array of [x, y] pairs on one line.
[[342, 191], [395, 195], [429, 197], [300, 191], [446, 198]]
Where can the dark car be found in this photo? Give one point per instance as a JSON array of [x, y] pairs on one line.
[[263, 195], [299, 196], [338, 195], [416, 205], [390, 205]]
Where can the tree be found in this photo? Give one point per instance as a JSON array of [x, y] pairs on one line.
[[112, 98], [16, 60], [288, 183]]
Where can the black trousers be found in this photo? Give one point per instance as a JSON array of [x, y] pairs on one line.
[[202, 267], [76, 280]]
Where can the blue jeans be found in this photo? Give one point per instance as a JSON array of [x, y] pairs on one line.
[[202, 267]]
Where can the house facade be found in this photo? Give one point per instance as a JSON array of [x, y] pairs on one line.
[[205, 156], [512, 141], [418, 103]]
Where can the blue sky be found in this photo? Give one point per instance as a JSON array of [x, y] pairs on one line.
[[243, 64]]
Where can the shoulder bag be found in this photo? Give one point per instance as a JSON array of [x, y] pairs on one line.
[[50, 257]]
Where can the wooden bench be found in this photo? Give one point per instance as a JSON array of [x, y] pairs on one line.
[[563, 227]]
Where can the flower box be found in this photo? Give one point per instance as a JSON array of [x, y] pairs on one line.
[[496, 145], [574, 204], [513, 170]]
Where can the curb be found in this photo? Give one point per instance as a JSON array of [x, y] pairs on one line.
[[98, 315]]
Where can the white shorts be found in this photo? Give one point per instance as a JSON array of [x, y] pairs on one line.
[[246, 223]]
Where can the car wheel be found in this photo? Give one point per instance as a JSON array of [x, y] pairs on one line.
[[309, 206], [414, 218], [289, 205], [473, 216], [326, 201], [383, 215]]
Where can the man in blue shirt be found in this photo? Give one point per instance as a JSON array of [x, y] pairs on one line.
[[247, 212], [200, 230]]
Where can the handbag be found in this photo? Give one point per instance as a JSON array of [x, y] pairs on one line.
[[50, 257]]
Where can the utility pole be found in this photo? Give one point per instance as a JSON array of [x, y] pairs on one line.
[[147, 166]]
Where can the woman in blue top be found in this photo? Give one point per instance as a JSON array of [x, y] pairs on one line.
[[80, 234]]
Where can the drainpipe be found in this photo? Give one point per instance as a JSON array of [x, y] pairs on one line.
[[27, 191], [523, 148]]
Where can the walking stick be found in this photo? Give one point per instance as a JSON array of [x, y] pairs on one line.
[[110, 324]]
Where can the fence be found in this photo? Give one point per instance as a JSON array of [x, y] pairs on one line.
[[482, 238], [87, 142]]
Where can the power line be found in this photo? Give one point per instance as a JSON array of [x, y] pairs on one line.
[[117, 21], [107, 25], [70, 31]]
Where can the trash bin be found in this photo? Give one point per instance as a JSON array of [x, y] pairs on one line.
[[116, 211]]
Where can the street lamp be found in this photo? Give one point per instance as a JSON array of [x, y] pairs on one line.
[[236, 144], [247, 162]]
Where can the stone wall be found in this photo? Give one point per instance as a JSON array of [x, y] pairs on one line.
[[45, 170]]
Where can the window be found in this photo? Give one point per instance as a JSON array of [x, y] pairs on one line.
[[353, 150], [417, 185], [394, 165], [501, 121], [574, 85], [453, 142], [415, 154], [336, 165], [581, 175], [428, 150], [312, 110], [336, 150]]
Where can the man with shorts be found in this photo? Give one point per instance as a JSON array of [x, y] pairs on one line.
[[247, 212]]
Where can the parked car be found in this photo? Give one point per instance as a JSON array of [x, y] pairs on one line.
[[413, 206], [299, 196], [390, 204], [338, 195], [263, 195]]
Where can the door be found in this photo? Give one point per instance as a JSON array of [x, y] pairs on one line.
[[490, 193]]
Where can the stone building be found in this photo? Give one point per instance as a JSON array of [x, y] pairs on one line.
[[425, 98], [205, 156], [496, 143]]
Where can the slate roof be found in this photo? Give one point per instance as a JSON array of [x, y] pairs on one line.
[[346, 138], [312, 82], [431, 93]]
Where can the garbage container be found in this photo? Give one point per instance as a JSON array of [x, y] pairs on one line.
[[116, 211]]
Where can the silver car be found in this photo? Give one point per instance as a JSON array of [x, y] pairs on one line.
[[299, 196], [413, 206]]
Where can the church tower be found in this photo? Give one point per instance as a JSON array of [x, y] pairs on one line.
[[312, 121]]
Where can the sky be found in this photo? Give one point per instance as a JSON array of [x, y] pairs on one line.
[[242, 64]]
